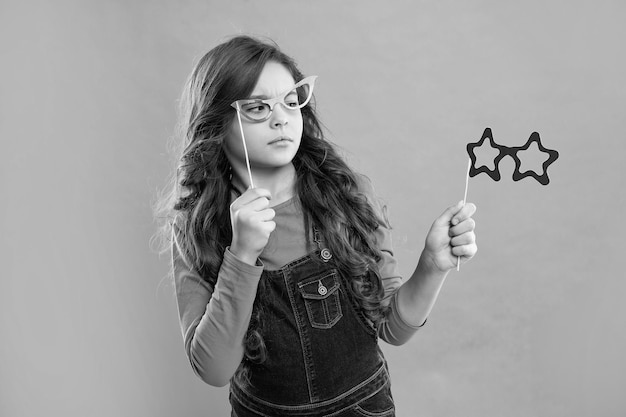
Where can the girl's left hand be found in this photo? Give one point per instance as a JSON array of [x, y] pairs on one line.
[[451, 236]]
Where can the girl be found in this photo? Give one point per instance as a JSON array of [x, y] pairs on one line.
[[282, 258]]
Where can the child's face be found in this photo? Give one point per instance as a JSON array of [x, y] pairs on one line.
[[274, 142]]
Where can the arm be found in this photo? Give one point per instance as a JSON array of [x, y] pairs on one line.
[[411, 302], [214, 321], [451, 236], [394, 329]]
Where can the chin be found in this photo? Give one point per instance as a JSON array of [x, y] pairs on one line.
[[276, 163]]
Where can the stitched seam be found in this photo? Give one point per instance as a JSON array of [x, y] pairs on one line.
[[376, 374], [333, 295], [306, 351], [366, 413]]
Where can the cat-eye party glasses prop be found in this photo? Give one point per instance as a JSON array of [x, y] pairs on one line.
[[259, 109]]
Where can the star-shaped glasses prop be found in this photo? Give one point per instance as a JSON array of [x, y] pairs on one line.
[[503, 151]]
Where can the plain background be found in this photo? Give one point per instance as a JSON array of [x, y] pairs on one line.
[[533, 326]]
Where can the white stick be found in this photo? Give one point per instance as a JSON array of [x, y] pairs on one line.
[[245, 148], [469, 164]]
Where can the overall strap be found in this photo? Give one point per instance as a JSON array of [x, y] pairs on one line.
[[325, 253]]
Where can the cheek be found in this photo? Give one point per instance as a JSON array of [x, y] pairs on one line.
[[299, 125], [232, 141]]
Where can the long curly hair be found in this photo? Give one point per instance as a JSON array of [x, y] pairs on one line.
[[196, 205]]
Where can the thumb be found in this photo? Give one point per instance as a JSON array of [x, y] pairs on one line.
[[445, 217]]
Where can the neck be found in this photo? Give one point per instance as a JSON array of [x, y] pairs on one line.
[[279, 182]]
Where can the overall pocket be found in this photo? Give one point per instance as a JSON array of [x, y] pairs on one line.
[[379, 405], [321, 299]]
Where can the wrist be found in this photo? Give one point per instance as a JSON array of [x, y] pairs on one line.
[[428, 265], [246, 256]]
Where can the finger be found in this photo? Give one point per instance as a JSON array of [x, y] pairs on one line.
[[259, 204], [468, 238], [465, 251], [465, 226], [250, 195], [464, 213], [249, 211], [265, 215], [268, 226], [445, 217]]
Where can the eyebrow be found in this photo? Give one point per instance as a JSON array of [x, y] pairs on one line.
[[265, 97]]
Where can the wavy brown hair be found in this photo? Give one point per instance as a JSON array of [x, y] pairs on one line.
[[196, 205]]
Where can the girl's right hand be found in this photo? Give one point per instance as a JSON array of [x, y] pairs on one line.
[[252, 221]]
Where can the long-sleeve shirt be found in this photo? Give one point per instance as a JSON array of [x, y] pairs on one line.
[[214, 320]]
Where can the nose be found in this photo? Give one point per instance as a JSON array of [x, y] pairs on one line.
[[279, 116]]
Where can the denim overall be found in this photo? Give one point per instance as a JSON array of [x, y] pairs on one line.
[[322, 358]]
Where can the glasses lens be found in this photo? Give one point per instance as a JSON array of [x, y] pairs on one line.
[[298, 97], [256, 110], [304, 94]]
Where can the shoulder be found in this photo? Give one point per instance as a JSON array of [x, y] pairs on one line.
[[177, 245], [366, 188], [364, 185]]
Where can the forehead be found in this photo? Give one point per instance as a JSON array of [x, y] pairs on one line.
[[274, 79]]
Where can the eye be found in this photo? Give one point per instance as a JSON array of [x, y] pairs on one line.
[[292, 100], [255, 108]]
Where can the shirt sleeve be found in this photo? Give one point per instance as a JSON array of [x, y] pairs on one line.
[[393, 329], [214, 321]]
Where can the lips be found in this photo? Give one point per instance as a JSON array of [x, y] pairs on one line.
[[280, 139]]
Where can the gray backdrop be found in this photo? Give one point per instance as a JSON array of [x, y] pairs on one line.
[[533, 326]]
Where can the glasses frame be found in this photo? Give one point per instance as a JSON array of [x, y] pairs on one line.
[[272, 102]]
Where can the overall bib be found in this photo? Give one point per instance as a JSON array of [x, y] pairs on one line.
[[322, 357]]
